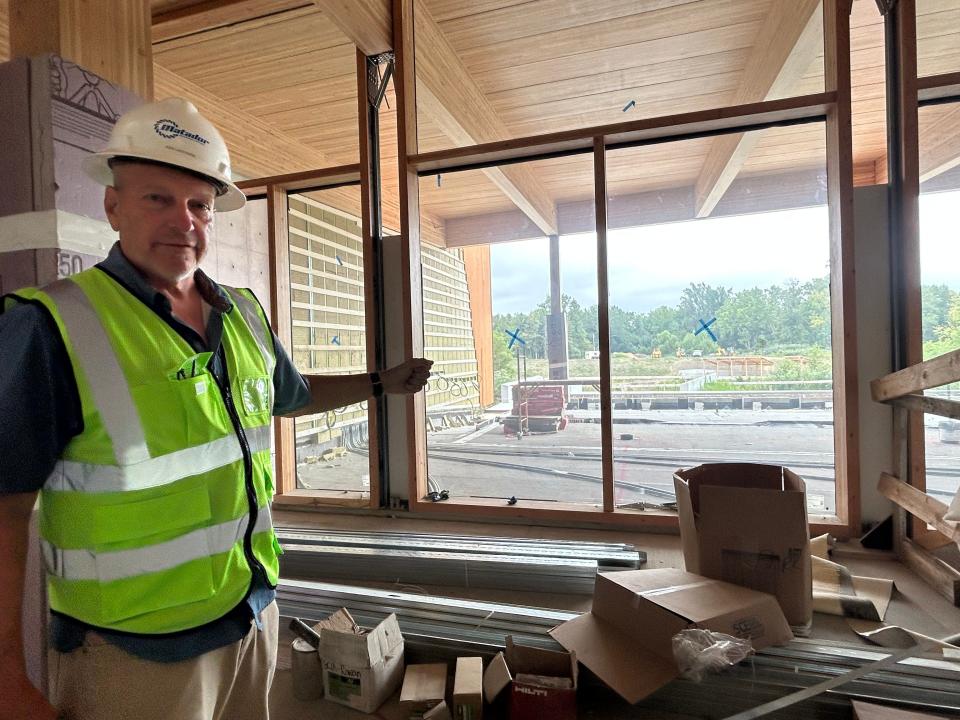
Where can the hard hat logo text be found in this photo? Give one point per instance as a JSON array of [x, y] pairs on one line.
[[169, 129]]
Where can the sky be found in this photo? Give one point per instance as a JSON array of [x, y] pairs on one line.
[[650, 266]]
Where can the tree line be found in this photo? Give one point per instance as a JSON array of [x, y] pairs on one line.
[[788, 319]]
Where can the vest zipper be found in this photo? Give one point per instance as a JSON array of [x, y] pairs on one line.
[[255, 565]]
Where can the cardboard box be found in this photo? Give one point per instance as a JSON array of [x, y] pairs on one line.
[[626, 638], [531, 700], [424, 687], [361, 668], [746, 524], [468, 689]]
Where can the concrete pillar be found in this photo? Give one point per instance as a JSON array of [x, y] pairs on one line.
[[557, 356]]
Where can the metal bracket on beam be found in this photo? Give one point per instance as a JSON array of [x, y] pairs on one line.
[[376, 81], [886, 6]]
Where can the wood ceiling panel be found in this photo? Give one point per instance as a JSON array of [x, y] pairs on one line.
[[562, 114], [625, 33], [520, 20], [640, 55]]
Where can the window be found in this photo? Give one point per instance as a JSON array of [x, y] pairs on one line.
[[328, 327], [720, 319], [940, 282]]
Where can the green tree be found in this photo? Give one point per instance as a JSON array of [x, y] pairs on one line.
[[935, 301]]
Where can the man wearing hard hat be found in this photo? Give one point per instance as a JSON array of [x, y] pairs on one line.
[[136, 398]]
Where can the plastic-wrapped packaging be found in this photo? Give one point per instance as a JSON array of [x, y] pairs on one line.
[[698, 651]]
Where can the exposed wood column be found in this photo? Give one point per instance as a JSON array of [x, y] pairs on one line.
[[109, 37], [412, 283], [842, 278], [787, 44]]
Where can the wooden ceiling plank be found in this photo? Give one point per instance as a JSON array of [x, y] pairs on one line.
[[202, 17], [787, 44], [368, 23], [940, 144], [678, 25]]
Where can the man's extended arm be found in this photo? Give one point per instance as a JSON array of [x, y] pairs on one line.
[[21, 699], [328, 392]]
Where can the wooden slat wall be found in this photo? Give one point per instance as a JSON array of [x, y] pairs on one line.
[[4, 32]]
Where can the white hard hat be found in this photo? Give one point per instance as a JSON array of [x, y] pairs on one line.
[[171, 132]]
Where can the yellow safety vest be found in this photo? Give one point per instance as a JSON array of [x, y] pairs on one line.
[[155, 514]]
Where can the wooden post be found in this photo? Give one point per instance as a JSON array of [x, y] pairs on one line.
[[284, 435], [603, 322], [109, 37], [412, 290], [836, 24]]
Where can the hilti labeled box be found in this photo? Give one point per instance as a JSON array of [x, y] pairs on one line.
[[541, 683]]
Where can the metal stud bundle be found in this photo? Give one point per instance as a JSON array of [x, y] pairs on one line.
[[452, 560]]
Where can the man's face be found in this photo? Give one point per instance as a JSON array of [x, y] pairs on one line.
[[164, 218]]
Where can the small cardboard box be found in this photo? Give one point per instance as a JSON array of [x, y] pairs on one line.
[[532, 700], [361, 668], [626, 639], [746, 524], [468, 689], [424, 687]]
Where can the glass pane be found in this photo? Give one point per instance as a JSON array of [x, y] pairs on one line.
[[329, 332], [489, 72], [515, 354], [720, 310], [940, 281], [938, 37]]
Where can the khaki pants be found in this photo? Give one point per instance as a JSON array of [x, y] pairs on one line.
[[99, 681]]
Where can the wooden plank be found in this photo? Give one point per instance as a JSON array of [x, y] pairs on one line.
[[201, 17], [603, 323], [926, 404], [922, 376], [933, 87], [368, 23], [843, 307], [306, 180], [932, 570], [918, 503], [405, 75], [636, 131], [788, 41], [285, 459]]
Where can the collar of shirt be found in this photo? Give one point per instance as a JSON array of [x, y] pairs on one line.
[[118, 266]]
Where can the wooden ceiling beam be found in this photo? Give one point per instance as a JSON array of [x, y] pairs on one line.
[[788, 42], [451, 98], [447, 94], [368, 23], [199, 17]]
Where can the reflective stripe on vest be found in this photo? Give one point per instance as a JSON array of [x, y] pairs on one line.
[[119, 564], [95, 355], [69, 475], [255, 322]]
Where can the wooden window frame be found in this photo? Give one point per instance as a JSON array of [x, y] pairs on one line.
[[833, 105], [914, 508], [275, 190]]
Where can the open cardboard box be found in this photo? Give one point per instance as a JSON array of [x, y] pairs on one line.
[[746, 523], [361, 668], [626, 639], [532, 700]]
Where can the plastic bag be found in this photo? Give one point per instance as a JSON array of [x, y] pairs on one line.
[[697, 652]]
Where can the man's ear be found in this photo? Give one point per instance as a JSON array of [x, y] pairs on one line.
[[111, 201]]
